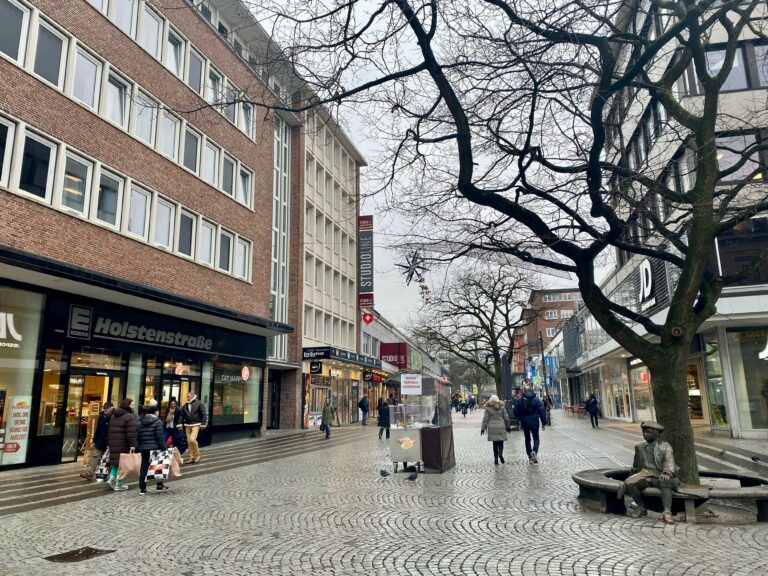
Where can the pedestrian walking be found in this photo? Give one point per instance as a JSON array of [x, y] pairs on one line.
[[364, 408], [335, 405], [592, 407], [100, 439], [392, 400], [529, 410], [171, 420], [464, 406], [149, 437], [383, 417], [121, 439], [327, 418], [495, 426], [194, 417]]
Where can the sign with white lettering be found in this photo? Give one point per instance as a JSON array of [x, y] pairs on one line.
[[365, 261], [410, 383], [9, 336]]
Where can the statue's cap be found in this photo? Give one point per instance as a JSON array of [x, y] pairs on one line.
[[652, 426]]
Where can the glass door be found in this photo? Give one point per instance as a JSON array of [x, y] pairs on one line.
[[70, 445], [696, 403], [86, 395]]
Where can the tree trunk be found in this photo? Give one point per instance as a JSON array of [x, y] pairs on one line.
[[669, 385]]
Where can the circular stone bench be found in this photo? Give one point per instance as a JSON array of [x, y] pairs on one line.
[[602, 485]]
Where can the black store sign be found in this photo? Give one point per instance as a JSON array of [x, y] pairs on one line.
[[315, 367], [98, 323]]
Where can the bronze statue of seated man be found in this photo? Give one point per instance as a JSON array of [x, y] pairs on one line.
[[654, 465]]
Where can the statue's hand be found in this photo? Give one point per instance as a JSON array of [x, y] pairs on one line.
[[666, 479]]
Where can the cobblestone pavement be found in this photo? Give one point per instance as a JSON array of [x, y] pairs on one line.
[[328, 511]]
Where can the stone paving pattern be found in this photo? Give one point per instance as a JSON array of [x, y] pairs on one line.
[[330, 512]]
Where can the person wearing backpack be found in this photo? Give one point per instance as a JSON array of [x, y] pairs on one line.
[[529, 411]]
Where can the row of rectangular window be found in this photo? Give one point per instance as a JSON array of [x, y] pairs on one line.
[[749, 70], [141, 22], [328, 329], [552, 314], [324, 277], [91, 191], [97, 86], [327, 233]]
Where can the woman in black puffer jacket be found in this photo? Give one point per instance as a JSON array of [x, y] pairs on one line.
[[150, 437], [121, 439]]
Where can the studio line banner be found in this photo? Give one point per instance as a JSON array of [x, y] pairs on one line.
[[365, 262]]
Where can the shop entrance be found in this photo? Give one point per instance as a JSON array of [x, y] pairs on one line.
[[696, 401], [86, 394]]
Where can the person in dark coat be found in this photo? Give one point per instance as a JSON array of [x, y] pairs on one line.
[[149, 437], [495, 426], [194, 418], [364, 408], [592, 407], [383, 417], [121, 439], [99, 440], [529, 411], [327, 418], [172, 419]]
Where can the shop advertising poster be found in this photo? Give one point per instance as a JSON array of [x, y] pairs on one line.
[[17, 430], [410, 384]]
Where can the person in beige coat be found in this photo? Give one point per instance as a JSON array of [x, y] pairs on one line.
[[495, 426]]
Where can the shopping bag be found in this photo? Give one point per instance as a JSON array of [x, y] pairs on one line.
[[159, 464], [180, 441], [176, 463], [102, 470], [130, 464], [322, 427]]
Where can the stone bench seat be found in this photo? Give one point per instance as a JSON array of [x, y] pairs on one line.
[[602, 485]]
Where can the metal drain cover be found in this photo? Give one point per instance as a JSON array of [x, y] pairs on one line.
[[78, 555]]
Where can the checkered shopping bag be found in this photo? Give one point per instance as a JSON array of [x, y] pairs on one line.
[[102, 470], [160, 464]]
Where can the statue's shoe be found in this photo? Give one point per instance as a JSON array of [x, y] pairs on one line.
[[667, 519]]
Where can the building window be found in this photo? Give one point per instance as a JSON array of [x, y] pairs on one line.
[[730, 151], [37, 166], [191, 150], [6, 145], [242, 258], [309, 268], [169, 135], [124, 15], [318, 274], [246, 119], [86, 82], [174, 55], [13, 29], [231, 109], [146, 116], [566, 313], [550, 314], [228, 176], [207, 242], [164, 220], [186, 243], [761, 60], [100, 5], [77, 182], [116, 107], [195, 72], [551, 332], [108, 200], [308, 317], [214, 87], [153, 26], [244, 190], [225, 251], [138, 213], [49, 61], [206, 12], [211, 164], [737, 79]]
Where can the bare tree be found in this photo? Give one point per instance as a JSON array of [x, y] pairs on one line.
[[511, 130], [474, 316]]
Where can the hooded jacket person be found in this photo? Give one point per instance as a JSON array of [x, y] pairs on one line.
[[121, 438], [495, 425], [150, 437], [529, 410]]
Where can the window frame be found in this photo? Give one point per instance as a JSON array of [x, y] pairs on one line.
[[141, 99], [21, 49], [96, 195], [199, 136], [150, 12], [235, 175], [222, 233], [246, 119], [183, 212], [210, 97], [171, 228], [550, 314], [52, 163], [86, 55], [134, 10], [65, 40], [188, 68], [244, 197], [204, 224], [180, 62], [7, 159], [104, 5], [210, 146], [89, 168], [148, 209], [240, 241], [128, 94], [161, 136]]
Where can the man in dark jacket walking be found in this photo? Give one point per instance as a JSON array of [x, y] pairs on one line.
[[149, 437], [383, 417], [194, 417], [593, 408], [99, 440], [364, 408], [529, 411]]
